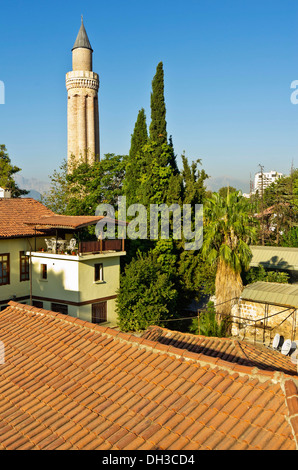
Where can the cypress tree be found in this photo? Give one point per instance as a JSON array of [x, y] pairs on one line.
[[134, 163], [173, 162], [140, 135], [158, 125]]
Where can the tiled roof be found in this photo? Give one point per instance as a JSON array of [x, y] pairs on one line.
[[20, 216], [15, 212], [70, 384], [65, 221], [228, 349]]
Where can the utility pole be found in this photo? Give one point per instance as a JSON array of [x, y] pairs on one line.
[[262, 203], [251, 195]]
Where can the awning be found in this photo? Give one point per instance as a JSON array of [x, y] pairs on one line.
[[72, 222]]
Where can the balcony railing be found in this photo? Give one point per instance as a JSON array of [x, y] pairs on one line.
[[101, 246]]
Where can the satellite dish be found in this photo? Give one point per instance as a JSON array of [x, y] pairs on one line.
[[293, 347], [286, 347], [277, 341]]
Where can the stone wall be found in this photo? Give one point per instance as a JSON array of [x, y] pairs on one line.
[[260, 322]]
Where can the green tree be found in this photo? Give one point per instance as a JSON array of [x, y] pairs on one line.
[[281, 209], [290, 238], [92, 184], [259, 273], [282, 190], [7, 171], [225, 189], [79, 191], [158, 125], [207, 324], [140, 134], [228, 232], [173, 160], [134, 162], [194, 191], [147, 295], [56, 198], [155, 175]]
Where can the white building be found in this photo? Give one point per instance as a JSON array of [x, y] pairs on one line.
[[5, 193], [44, 265], [268, 178]]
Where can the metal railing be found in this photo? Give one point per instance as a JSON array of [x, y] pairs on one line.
[[101, 246]]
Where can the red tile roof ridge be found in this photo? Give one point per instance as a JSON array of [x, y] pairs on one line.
[[156, 333], [202, 359], [128, 337], [171, 332]]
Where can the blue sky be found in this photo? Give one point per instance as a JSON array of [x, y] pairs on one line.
[[228, 69]]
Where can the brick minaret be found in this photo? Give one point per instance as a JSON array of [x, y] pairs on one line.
[[82, 109]]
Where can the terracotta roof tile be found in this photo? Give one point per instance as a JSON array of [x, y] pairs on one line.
[[130, 394], [239, 353], [15, 212]]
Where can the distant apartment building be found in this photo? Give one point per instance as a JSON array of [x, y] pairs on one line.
[[263, 180]]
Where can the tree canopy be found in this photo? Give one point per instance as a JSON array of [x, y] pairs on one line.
[[228, 232], [158, 125], [7, 171], [280, 216], [147, 294], [79, 191]]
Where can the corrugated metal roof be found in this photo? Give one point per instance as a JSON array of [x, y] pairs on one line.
[[275, 257], [285, 295]]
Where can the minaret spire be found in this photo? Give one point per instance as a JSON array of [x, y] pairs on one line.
[[82, 111], [82, 38]]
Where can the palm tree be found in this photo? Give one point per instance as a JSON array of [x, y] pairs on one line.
[[228, 231]]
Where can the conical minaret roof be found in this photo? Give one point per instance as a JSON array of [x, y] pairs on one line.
[[82, 38]]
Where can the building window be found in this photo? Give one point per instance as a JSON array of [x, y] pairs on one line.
[[99, 312], [98, 272], [4, 269], [37, 303], [61, 308], [24, 266], [44, 271]]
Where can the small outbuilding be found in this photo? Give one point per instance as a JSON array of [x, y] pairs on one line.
[[276, 258], [264, 309]]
